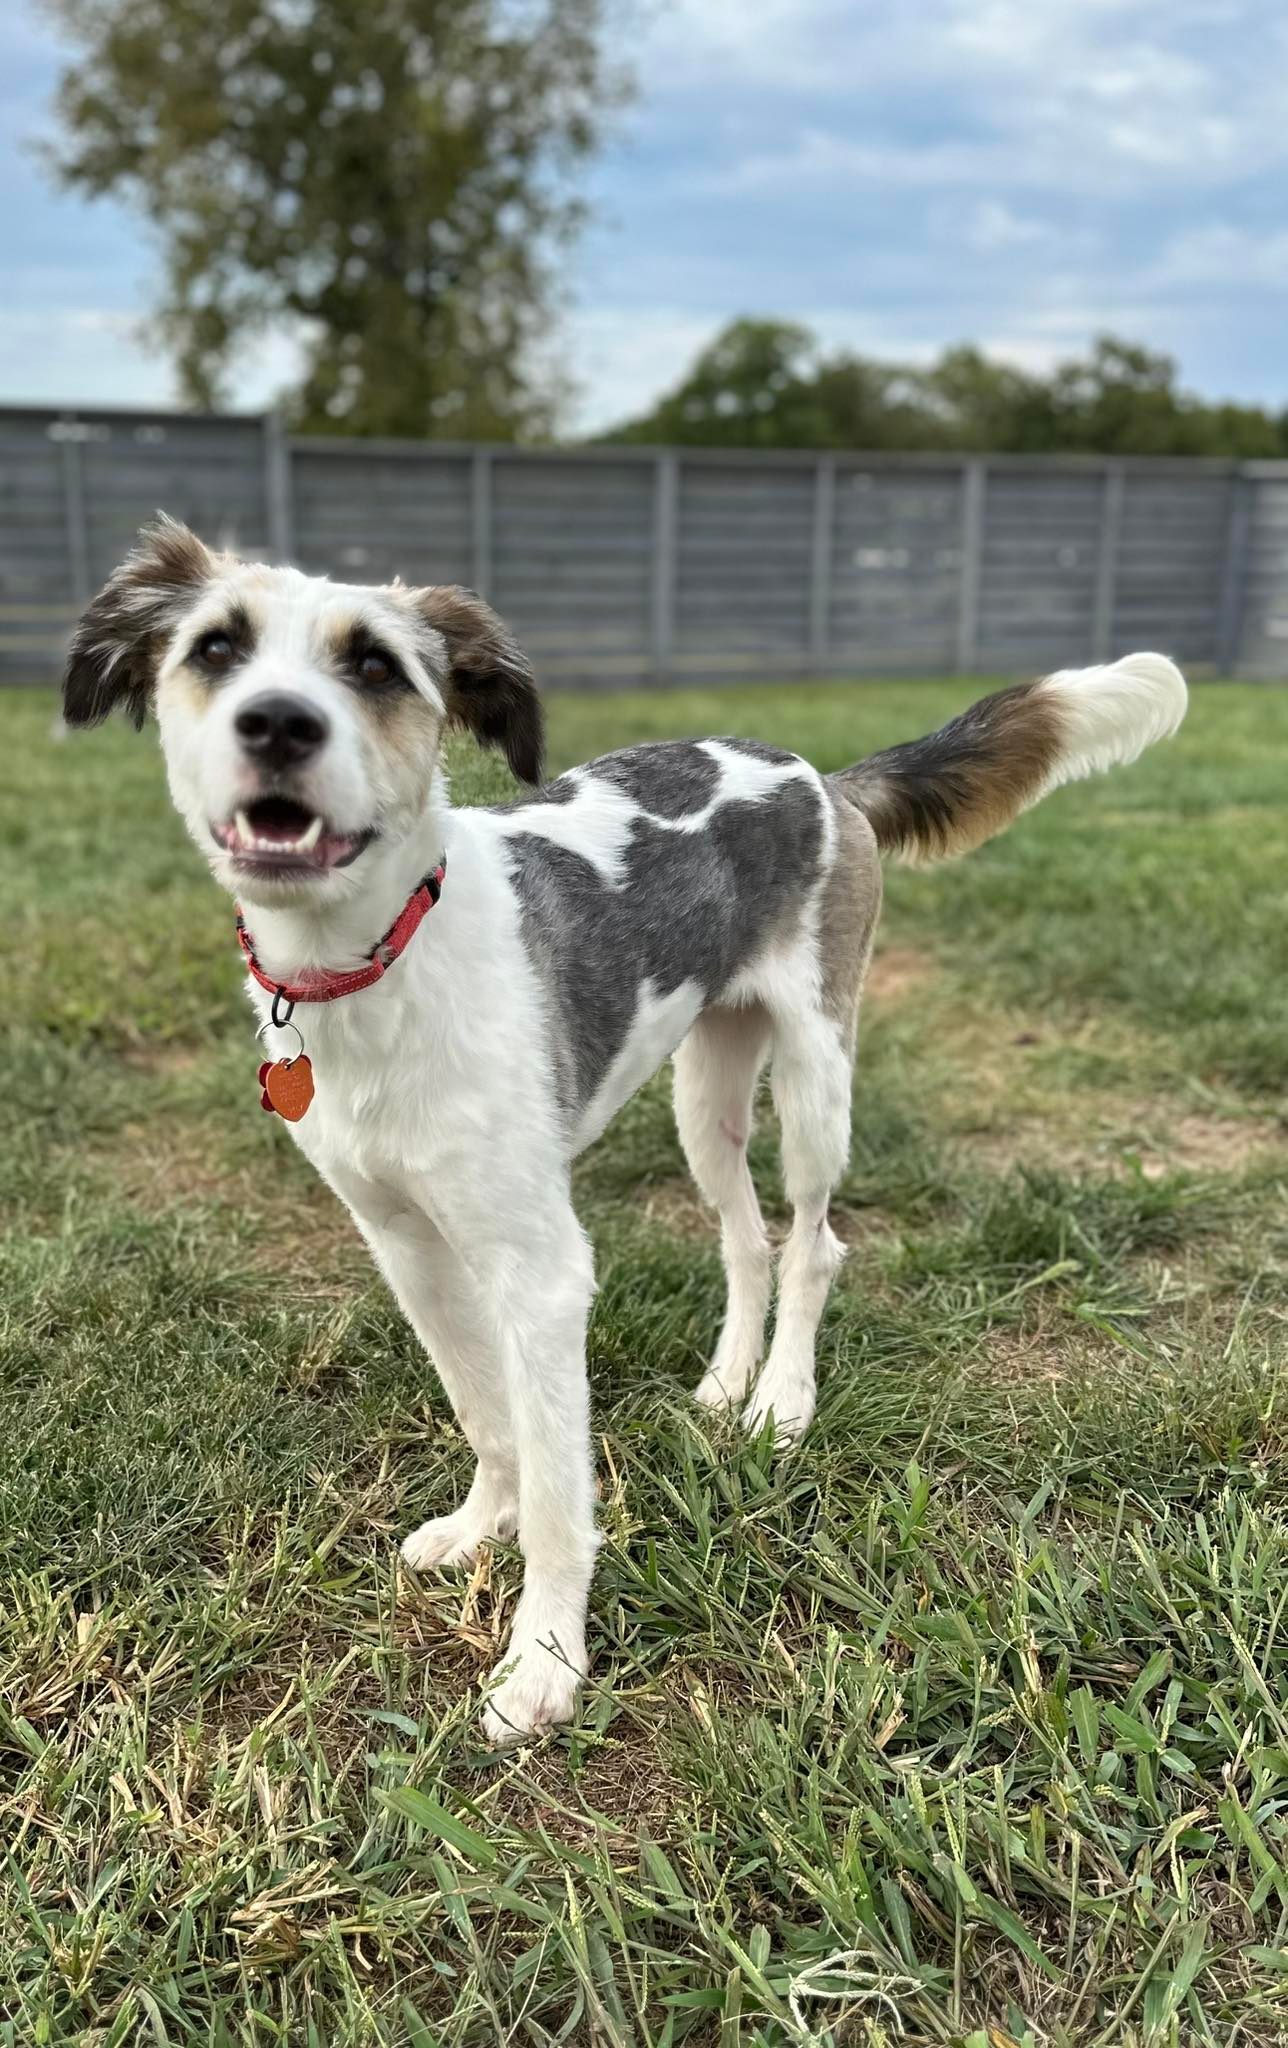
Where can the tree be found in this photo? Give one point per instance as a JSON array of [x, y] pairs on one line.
[[392, 178], [749, 387], [1124, 397], [982, 404], [766, 383], [866, 404]]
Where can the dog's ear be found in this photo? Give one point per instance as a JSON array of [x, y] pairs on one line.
[[119, 639], [490, 686]]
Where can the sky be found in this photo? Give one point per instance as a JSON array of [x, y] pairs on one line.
[[897, 174]]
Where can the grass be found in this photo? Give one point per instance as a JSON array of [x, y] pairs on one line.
[[968, 1722]]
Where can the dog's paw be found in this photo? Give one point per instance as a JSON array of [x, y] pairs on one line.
[[538, 1691], [713, 1392], [730, 1373], [787, 1396], [454, 1539]]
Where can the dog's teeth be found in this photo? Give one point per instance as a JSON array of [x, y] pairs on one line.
[[250, 841]]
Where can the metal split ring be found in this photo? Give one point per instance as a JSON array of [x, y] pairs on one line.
[[287, 1026]]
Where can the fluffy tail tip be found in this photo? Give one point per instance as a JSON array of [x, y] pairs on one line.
[[1110, 714]]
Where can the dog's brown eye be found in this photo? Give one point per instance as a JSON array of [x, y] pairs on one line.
[[215, 650], [376, 667]]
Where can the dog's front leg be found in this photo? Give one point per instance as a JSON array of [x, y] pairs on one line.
[[539, 1280], [440, 1298]]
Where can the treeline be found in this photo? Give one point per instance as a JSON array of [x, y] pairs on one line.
[[768, 384]]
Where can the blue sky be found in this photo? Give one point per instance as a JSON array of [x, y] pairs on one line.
[[1020, 173]]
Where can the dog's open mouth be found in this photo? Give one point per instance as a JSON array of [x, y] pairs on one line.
[[276, 833]]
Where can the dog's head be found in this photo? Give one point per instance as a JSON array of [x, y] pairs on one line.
[[301, 720]]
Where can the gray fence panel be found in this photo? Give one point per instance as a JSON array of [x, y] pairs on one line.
[[1263, 642], [572, 556], [745, 547], [896, 569], [211, 477], [1171, 559], [366, 518], [1038, 578], [37, 591], [625, 565]]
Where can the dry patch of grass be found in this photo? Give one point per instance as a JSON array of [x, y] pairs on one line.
[[161, 1059], [621, 1790], [898, 972], [286, 1227], [1086, 1133], [1050, 1354], [676, 1206], [1203, 1142]]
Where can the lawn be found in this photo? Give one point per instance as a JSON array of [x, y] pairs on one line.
[[966, 1722]]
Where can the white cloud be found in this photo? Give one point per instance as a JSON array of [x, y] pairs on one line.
[[85, 354], [1056, 144], [1105, 97], [625, 358], [786, 45], [994, 225], [76, 353], [821, 159], [1221, 254]]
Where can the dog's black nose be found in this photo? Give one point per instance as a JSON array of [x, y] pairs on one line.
[[279, 729]]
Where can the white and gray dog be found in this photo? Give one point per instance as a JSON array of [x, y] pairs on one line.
[[710, 899]]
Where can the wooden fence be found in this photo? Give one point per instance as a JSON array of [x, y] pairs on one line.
[[621, 566]]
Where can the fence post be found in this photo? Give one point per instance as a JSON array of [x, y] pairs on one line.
[[1229, 626], [974, 486], [1111, 526], [820, 590], [481, 521], [75, 515], [279, 506], [666, 498]]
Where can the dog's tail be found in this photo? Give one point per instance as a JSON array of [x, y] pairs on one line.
[[933, 798]]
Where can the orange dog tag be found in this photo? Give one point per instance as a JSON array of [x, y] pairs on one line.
[[287, 1086]]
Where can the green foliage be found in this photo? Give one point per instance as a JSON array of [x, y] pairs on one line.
[[388, 179], [766, 384], [963, 1725]]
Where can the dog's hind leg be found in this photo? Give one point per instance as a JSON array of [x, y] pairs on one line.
[[812, 992], [810, 1077], [716, 1070], [441, 1301]]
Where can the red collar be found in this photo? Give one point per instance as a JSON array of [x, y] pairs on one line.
[[320, 985]]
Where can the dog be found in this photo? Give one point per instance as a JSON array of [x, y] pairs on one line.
[[713, 901]]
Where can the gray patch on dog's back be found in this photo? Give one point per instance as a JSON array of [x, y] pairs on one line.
[[690, 906], [561, 791], [759, 750], [668, 778], [566, 919]]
